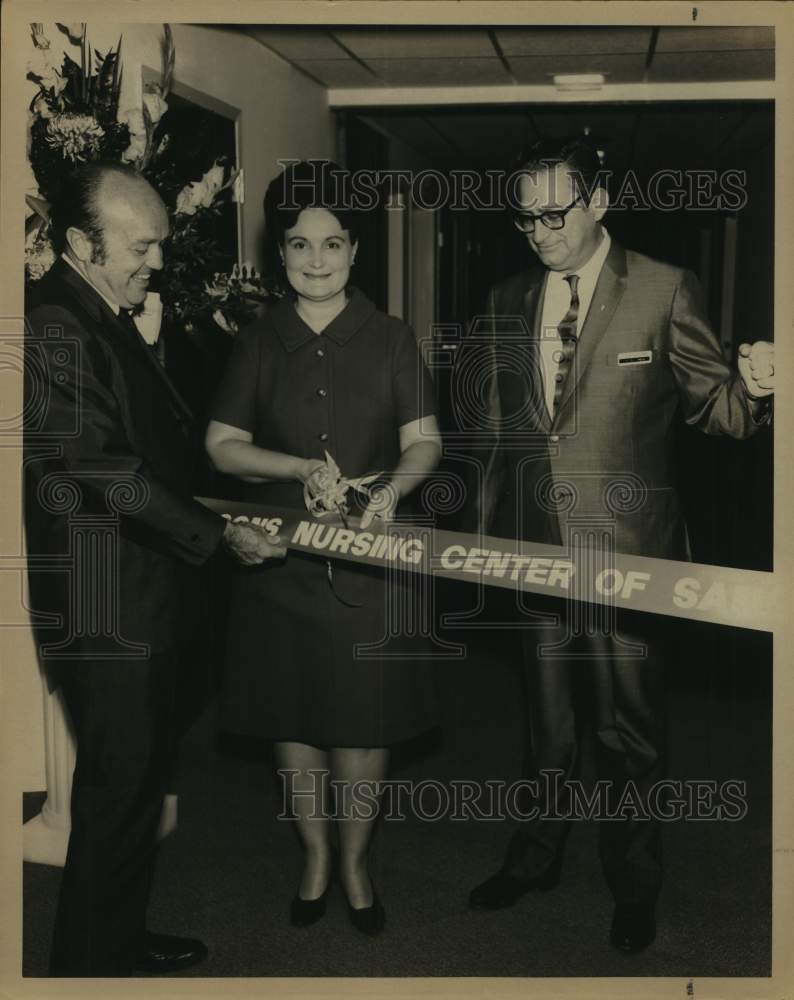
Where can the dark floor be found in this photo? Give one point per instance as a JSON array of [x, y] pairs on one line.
[[229, 871]]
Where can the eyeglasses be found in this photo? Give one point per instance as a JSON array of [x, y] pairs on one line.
[[525, 221]]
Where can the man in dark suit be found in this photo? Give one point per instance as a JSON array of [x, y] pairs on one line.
[[614, 345], [109, 465]]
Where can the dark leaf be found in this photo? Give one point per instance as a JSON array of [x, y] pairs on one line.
[[169, 59]]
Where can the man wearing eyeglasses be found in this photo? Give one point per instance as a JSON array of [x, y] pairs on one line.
[[614, 345]]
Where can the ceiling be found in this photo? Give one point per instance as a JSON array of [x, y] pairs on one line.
[[488, 135], [345, 56]]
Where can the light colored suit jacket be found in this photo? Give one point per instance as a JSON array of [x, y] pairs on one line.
[[606, 456]]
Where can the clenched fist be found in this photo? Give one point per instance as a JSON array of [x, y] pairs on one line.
[[251, 545], [757, 368]]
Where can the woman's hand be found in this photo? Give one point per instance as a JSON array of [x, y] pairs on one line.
[[312, 473], [382, 504]]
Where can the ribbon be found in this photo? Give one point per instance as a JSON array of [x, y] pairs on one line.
[[718, 594]]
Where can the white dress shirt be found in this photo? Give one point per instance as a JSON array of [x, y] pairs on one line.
[[556, 302]]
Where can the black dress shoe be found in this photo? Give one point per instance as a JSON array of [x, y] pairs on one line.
[[369, 919], [305, 912], [503, 889], [633, 926], [163, 953]]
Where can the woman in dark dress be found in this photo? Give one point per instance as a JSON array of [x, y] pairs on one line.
[[324, 371]]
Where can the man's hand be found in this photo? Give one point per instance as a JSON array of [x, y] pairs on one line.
[[757, 368], [382, 502], [251, 545]]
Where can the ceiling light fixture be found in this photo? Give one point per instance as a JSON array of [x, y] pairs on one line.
[[578, 81]]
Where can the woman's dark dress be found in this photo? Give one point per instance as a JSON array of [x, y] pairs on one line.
[[290, 669]]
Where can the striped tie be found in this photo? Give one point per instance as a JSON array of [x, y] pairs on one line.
[[567, 332]]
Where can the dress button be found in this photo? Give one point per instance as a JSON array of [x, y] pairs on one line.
[[558, 377], [322, 393], [323, 436], [554, 438], [320, 352]]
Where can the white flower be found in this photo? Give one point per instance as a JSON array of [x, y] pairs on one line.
[[200, 194], [39, 38], [156, 106], [227, 325], [134, 120], [214, 182], [39, 63], [77, 136], [42, 108], [41, 67], [136, 149], [216, 290], [247, 277], [75, 31], [39, 255], [186, 203]]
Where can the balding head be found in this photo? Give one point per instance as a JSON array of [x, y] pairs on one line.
[[118, 190], [113, 230]]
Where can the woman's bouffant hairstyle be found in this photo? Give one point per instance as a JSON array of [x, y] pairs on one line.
[[309, 184]]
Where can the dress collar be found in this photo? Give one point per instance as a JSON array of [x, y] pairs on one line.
[[294, 332]]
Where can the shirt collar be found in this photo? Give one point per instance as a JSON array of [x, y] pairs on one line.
[[590, 270], [114, 306]]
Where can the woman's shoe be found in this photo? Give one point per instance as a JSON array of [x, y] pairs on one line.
[[370, 919], [304, 912]]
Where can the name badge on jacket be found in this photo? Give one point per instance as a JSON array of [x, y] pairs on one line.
[[635, 358]]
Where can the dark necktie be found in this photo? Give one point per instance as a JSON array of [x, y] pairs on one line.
[[567, 332]]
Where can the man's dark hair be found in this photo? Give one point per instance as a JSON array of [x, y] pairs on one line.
[[309, 184], [77, 205], [578, 154]]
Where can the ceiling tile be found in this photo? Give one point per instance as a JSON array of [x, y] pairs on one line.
[[416, 43], [439, 72], [704, 39], [339, 72], [294, 44], [543, 41], [540, 69], [680, 67]]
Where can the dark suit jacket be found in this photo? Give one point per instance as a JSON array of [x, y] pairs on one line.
[[100, 413], [644, 351]]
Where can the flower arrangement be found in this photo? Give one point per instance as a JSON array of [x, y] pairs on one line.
[[74, 118]]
